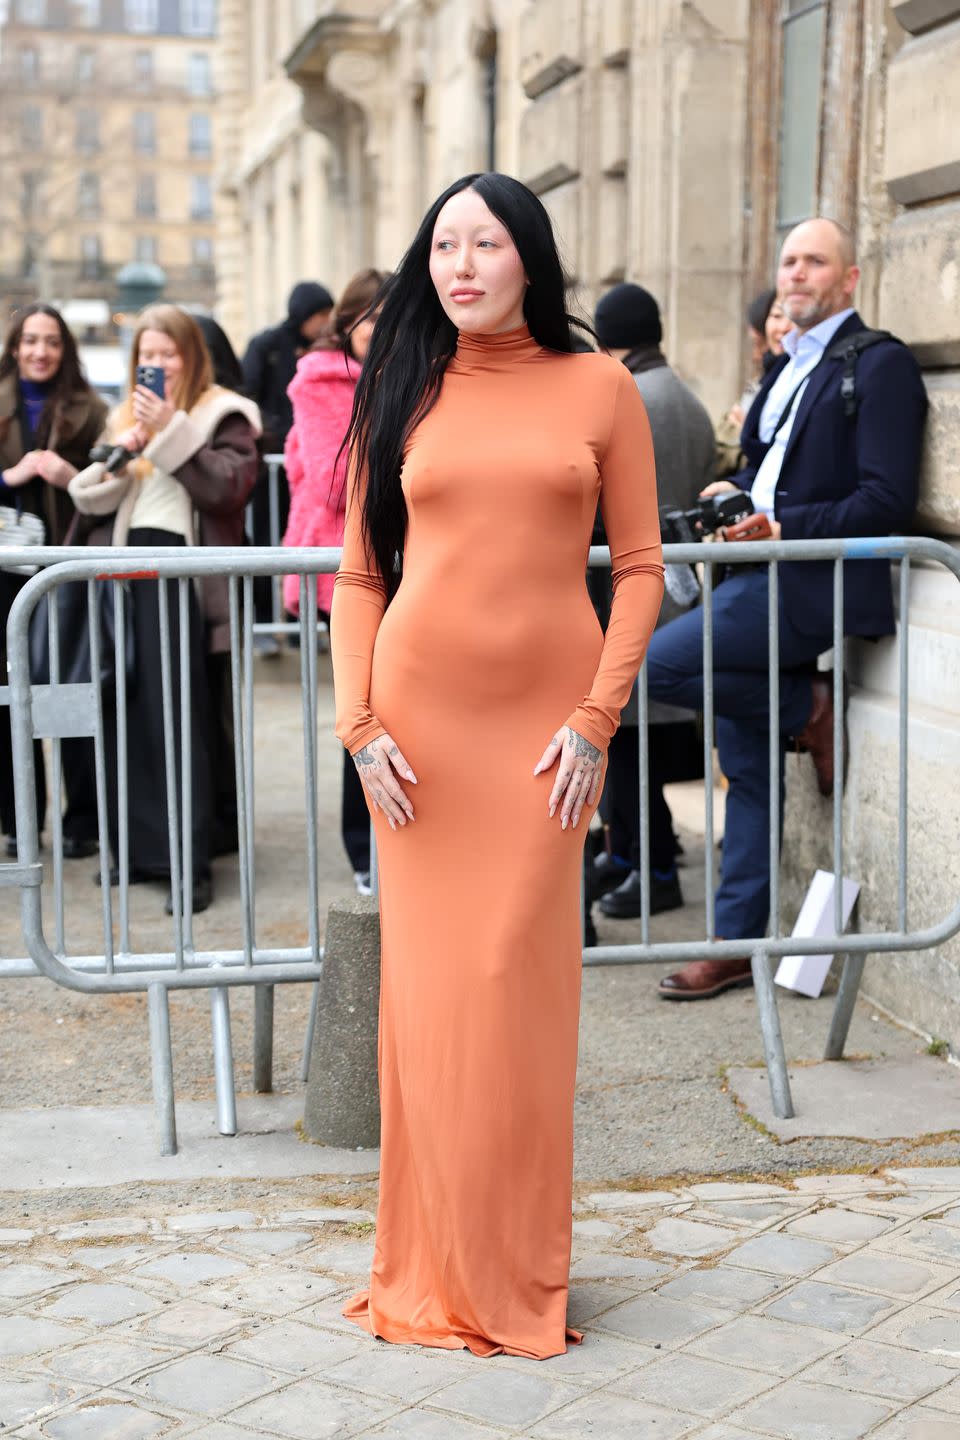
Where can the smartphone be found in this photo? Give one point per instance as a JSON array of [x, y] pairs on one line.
[[153, 377]]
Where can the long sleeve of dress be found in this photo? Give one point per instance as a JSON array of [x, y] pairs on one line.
[[359, 600], [628, 503]]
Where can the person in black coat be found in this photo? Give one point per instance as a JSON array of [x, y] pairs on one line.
[[269, 364], [818, 468]]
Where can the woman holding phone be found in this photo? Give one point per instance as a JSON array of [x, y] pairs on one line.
[[49, 418], [193, 447]]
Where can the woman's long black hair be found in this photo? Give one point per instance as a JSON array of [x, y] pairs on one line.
[[414, 340]]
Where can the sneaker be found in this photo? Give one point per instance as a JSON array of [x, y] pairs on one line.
[[361, 878]]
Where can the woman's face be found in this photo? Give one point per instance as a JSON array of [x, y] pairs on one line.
[[778, 323], [155, 348], [39, 353], [360, 337], [476, 268]]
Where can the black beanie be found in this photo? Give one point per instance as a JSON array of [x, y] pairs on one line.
[[627, 316], [306, 299]]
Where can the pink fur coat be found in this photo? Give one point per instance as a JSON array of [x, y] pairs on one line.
[[322, 396]]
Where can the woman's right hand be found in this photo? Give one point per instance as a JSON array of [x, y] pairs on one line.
[[376, 764], [134, 439], [25, 470]]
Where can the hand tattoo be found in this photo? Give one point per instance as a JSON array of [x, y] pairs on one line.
[[583, 749], [366, 756]]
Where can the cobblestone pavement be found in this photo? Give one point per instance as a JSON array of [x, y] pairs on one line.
[[825, 1309]]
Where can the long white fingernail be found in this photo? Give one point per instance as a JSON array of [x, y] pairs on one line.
[[563, 823]]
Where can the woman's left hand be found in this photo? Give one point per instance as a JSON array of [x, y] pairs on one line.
[[55, 470], [578, 777], [150, 410]]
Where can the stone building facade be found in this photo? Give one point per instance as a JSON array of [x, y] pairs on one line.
[[106, 147], [674, 142]]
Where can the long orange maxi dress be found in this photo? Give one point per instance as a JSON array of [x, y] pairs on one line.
[[488, 647]]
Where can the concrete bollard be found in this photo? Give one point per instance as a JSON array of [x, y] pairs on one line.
[[342, 1101]]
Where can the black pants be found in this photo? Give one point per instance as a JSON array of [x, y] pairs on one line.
[[672, 755], [262, 586], [354, 817]]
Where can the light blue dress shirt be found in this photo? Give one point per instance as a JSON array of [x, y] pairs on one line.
[[806, 352]]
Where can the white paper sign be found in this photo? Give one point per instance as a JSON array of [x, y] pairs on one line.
[[806, 973]]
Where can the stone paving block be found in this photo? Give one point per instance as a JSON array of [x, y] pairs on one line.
[[946, 1299], [753, 1212], [107, 1420], [106, 1360], [274, 1292], [830, 1307], [881, 1370], [19, 1281], [330, 1214], [726, 1432], [16, 1237], [107, 1229], [629, 1201], [899, 1203], [798, 1411], [213, 1220], [225, 1430], [689, 1237], [23, 1397], [946, 1399], [393, 1372], [208, 1385], [295, 1348], [353, 1259], [192, 1267], [877, 1271], [328, 1314], [847, 1184], [733, 1289], [421, 1425], [613, 1417], [660, 1322], [190, 1322], [24, 1335], [101, 1304], [781, 1254], [102, 1257], [934, 1177], [727, 1190], [503, 1397], [771, 1346], [917, 1423], [586, 1302], [690, 1383], [921, 1327], [599, 1230], [616, 1267], [310, 1410], [268, 1242], [925, 1237], [838, 1226], [595, 1361]]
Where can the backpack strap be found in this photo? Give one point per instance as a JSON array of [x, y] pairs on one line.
[[848, 349]]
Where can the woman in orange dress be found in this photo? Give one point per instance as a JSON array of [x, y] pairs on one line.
[[471, 673]]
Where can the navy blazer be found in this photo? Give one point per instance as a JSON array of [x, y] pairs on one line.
[[844, 476]]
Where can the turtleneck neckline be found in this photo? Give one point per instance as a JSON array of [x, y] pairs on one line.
[[35, 389], [485, 352]]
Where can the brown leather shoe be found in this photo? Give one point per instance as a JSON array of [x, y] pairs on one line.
[[816, 737], [702, 979]]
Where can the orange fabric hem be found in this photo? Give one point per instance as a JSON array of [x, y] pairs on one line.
[[357, 1309]]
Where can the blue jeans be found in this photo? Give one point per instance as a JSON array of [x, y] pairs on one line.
[[741, 706]]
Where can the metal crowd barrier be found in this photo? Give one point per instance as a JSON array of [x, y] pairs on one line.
[[278, 623], [58, 710]]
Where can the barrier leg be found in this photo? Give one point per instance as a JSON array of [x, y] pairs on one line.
[[263, 1038], [158, 1009], [308, 1039], [843, 1006], [223, 1060], [772, 1036]]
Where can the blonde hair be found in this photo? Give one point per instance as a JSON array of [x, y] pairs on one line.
[[195, 379]]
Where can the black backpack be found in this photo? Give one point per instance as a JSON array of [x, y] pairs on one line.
[[848, 350]]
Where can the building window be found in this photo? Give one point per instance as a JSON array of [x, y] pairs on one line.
[[146, 195], [145, 249], [144, 132], [88, 129], [141, 15], [31, 196], [85, 66], [88, 13], [88, 196], [32, 12], [31, 126], [90, 257], [201, 198], [200, 75], [200, 136], [202, 250], [198, 17], [143, 66], [29, 65], [804, 29]]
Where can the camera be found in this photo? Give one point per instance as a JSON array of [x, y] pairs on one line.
[[711, 513], [113, 457]]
